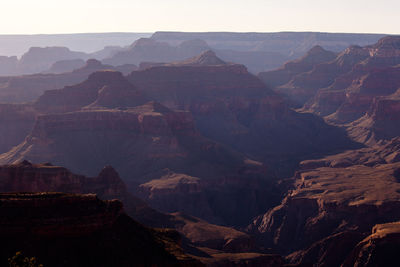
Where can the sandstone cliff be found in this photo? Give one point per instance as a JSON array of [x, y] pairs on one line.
[[381, 248], [379, 123], [335, 200]]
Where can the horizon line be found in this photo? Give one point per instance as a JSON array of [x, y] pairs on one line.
[[177, 31]]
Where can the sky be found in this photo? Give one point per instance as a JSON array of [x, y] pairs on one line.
[[82, 16]]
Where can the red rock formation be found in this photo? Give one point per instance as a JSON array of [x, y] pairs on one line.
[[330, 251], [381, 248], [335, 200], [376, 75], [362, 91], [379, 123]]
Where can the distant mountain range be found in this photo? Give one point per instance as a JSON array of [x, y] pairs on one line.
[[18, 44], [258, 51]]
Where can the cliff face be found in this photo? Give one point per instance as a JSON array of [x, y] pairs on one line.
[[379, 123], [140, 143], [335, 200], [341, 88], [95, 217], [284, 74], [28, 177], [57, 227], [16, 122], [303, 85], [102, 88], [374, 76], [151, 127], [360, 95], [378, 249], [235, 108]]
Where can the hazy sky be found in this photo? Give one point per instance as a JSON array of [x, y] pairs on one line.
[[74, 16]]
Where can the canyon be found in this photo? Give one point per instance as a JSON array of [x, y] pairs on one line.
[[211, 164], [334, 200]]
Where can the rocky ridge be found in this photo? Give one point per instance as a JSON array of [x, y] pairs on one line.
[[74, 223], [334, 200]]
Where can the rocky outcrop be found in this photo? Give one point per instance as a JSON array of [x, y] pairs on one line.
[[28, 177], [102, 89], [244, 191], [385, 152], [381, 248], [302, 87], [289, 70], [351, 80], [57, 227], [379, 123], [203, 234], [334, 201], [330, 251], [360, 95], [374, 76]]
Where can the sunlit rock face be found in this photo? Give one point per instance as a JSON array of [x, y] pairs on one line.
[[334, 200]]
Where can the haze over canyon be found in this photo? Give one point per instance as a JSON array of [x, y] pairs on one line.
[[200, 149]]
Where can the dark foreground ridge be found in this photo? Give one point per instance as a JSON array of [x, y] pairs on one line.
[[81, 230]]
